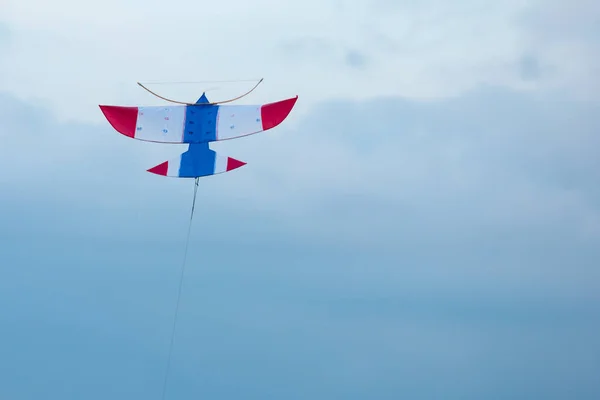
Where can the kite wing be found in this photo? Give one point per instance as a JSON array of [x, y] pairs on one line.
[[198, 160], [198, 123]]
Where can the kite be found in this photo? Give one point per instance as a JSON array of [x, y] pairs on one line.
[[196, 124]]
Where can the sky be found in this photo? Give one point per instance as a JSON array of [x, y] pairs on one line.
[[425, 224]]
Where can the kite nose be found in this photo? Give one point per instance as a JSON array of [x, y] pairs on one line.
[[273, 114], [123, 119]]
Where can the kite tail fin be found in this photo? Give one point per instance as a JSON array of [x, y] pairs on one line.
[[198, 160]]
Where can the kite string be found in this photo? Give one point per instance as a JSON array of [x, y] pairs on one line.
[[187, 241]]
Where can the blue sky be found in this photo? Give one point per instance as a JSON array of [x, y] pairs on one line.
[[424, 225]]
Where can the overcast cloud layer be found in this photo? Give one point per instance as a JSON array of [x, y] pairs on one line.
[[80, 54], [426, 224]]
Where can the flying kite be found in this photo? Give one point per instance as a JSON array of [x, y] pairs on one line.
[[196, 124]]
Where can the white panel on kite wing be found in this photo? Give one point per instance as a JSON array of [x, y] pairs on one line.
[[161, 124], [236, 121]]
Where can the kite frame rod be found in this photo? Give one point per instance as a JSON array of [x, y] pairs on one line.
[[202, 104]]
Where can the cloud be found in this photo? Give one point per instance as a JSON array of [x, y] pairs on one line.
[[4, 36], [356, 59], [413, 49], [529, 67], [310, 50], [565, 38]]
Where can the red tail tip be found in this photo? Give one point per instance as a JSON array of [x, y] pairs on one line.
[[160, 169], [232, 163]]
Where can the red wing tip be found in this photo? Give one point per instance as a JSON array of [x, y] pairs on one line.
[[232, 163], [273, 114], [122, 119], [160, 169]]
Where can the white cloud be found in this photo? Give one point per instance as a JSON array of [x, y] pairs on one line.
[[75, 55], [565, 37]]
